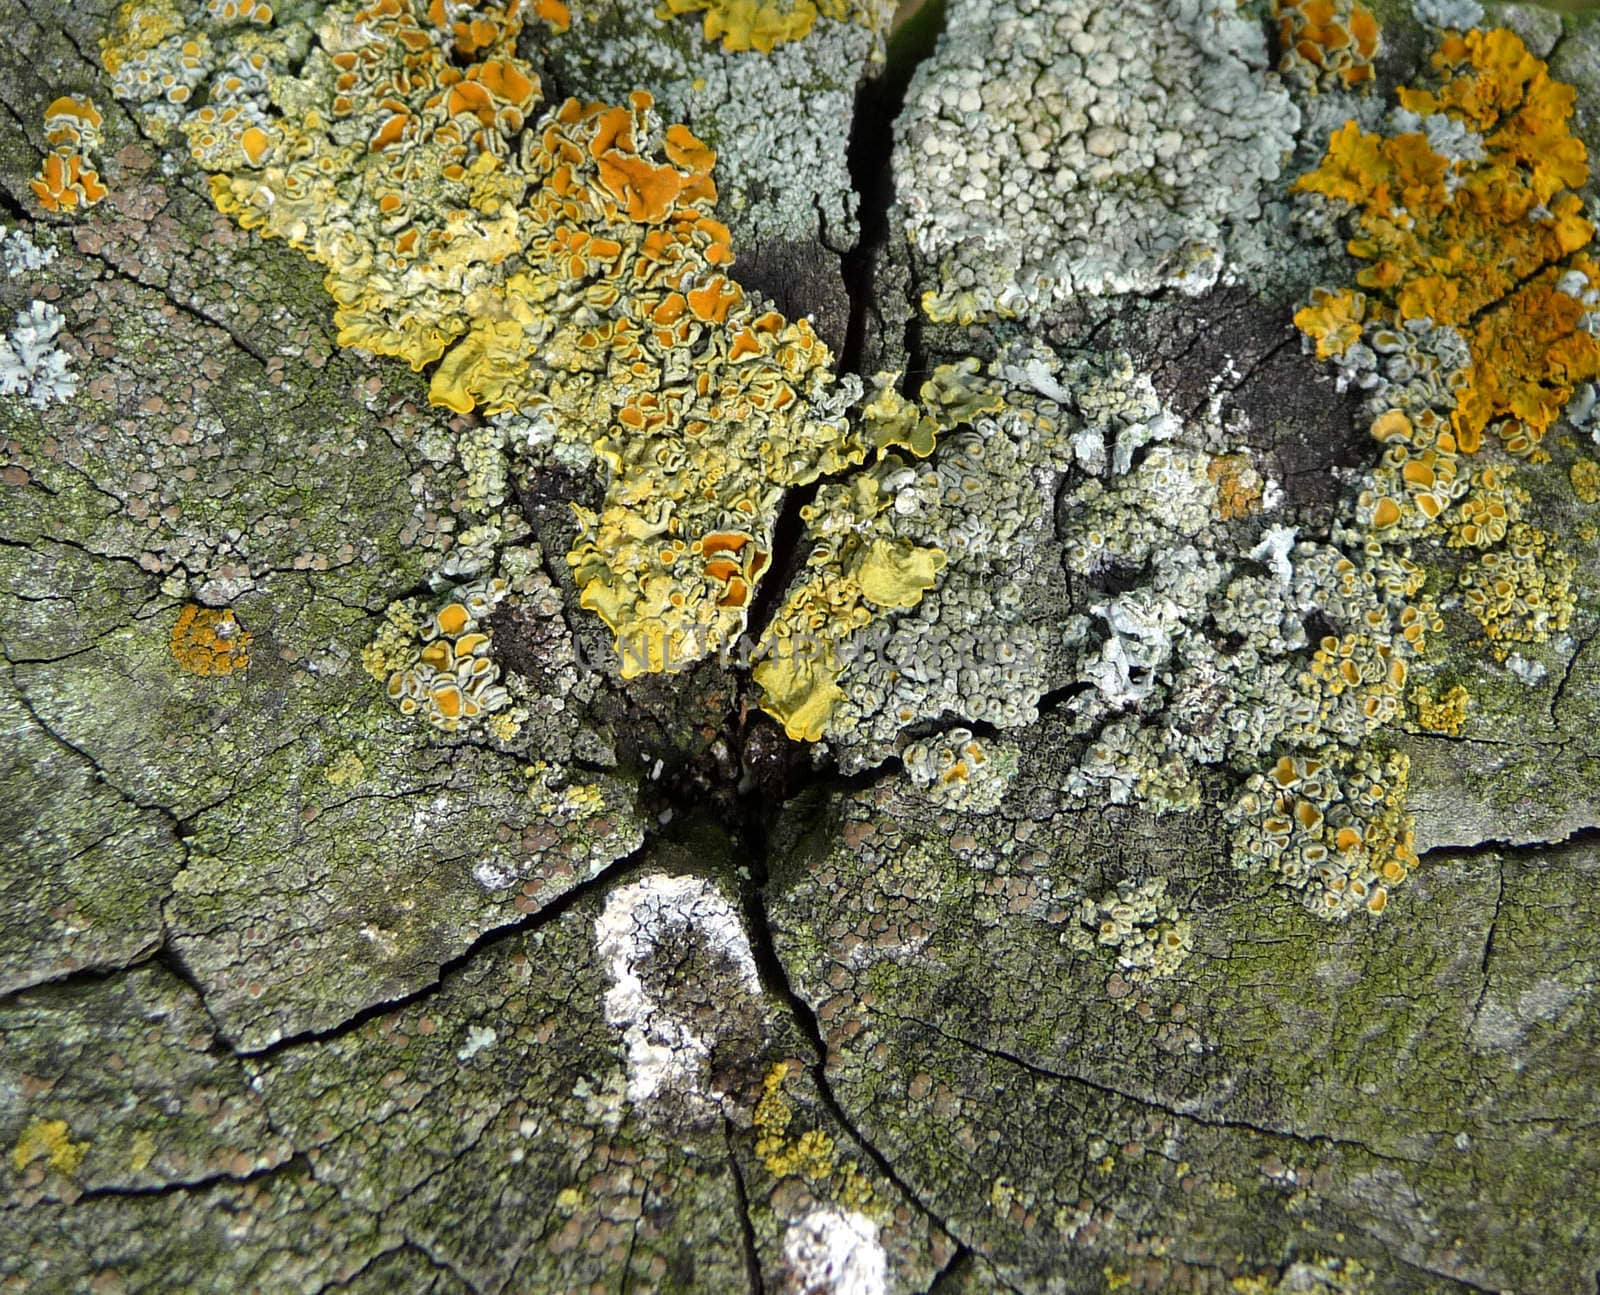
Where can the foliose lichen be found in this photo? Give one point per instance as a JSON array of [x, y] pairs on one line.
[[1057, 147], [67, 179], [209, 641], [563, 263], [31, 364]]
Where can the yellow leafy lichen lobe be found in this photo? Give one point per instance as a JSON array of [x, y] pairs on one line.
[[763, 25], [898, 573], [209, 641], [50, 1142], [1332, 320]]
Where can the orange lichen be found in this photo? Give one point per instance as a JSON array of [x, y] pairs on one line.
[[1484, 241], [1326, 43], [67, 180], [765, 24], [208, 640], [439, 665], [1332, 320], [1333, 827], [1240, 488]]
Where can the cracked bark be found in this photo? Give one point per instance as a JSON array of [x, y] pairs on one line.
[[1314, 1088]]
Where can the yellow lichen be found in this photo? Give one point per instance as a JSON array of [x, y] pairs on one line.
[[67, 180], [811, 1155], [1445, 714], [862, 564], [1585, 477], [1522, 591], [765, 24], [207, 641], [565, 263], [51, 1142], [1484, 242]]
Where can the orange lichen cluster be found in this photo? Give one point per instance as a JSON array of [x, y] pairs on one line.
[[1326, 43], [1240, 488], [1485, 242], [564, 264], [208, 640], [1334, 829], [152, 58], [67, 180], [1332, 320], [438, 664], [1521, 592], [1419, 476]]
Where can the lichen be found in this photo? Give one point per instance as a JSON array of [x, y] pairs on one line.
[[1063, 147], [564, 263], [1477, 296], [67, 181], [765, 24], [1585, 477], [1522, 591], [1151, 937], [49, 1141], [1332, 826], [31, 364], [209, 641], [438, 664], [1445, 714], [811, 1154], [1326, 44], [961, 770]]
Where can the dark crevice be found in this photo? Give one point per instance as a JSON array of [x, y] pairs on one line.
[[1488, 941], [298, 1161], [84, 978], [747, 1230], [1584, 836], [489, 940], [775, 979], [869, 157]]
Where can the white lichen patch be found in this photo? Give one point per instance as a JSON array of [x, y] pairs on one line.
[[1056, 147], [20, 254], [835, 1252], [30, 364], [479, 1038], [666, 1052]]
